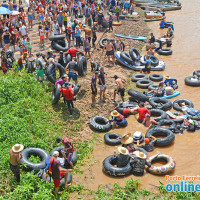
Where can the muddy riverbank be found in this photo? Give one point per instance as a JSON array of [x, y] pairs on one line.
[[183, 62]]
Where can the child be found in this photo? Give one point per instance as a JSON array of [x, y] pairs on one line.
[[42, 33], [28, 43]]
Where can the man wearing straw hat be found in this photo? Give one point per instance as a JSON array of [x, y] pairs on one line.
[[123, 157], [118, 119], [127, 142], [138, 163], [15, 156]]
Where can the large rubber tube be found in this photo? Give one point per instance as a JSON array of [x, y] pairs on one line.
[[74, 155], [82, 66], [196, 72], [153, 87], [177, 104], [56, 94], [108, 167], [138, 95], [134, 54], [159, 131], [143, 83], [68, 58], [100, 124], [57, 37], [161, 170], [50, 180], [156, 77], [60, 47], [103, 41], [26, 153], [160, 103], [154, 60], [137, 77], [124, 56], [50, 69], [171, 125], [112, 139], [192, 81], [160, 114], [165, 52]]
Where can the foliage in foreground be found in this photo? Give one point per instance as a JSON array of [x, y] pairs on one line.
[[26, 117]]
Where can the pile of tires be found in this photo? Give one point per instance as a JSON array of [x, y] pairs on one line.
[[58, 43]]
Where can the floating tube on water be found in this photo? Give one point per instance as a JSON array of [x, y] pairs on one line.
[[156, 77], [138, 95], [161, 170], [165, 52], [177, 104], [160, 114], [160, 131], [168, 122], [143, 83], [138, 66], [137, 77], [160, 103], [110, 169]]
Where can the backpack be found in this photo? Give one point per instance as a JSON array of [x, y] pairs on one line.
[[48, 168]]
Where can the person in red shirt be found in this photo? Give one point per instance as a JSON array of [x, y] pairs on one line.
[[58, 172], [142, 112], [68, 93], [68, 150], [73, 52]]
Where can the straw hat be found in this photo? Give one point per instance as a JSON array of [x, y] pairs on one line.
[[123, 150], [110, 13], [101, 11], [140, 154], [127, 139], [17, 148], [167, 77], [114, 113]]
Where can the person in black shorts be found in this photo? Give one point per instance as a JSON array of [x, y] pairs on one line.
[[120, 87], [94, 87]]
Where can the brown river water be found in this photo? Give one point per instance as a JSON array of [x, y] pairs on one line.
[[185, 59]]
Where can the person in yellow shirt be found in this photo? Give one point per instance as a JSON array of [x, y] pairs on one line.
[[65, 18]]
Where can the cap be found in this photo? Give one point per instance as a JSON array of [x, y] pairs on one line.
[[55, 153]]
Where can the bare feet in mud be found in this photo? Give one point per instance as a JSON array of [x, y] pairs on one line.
[[67, 185]]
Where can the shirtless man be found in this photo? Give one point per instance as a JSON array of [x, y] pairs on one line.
[[118, 44], [110, 50], [88, 32], [21, 60], [150, 52], [120, 87], [15, 156]]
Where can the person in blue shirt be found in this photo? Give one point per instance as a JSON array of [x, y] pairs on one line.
[[78, 36], [171, 82], [162, 24], [60, 19], [147, 65], [110, 21]]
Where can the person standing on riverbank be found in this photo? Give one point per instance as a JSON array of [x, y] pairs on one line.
[[110, 50], [15, 157], [102, 84], [120, 87]]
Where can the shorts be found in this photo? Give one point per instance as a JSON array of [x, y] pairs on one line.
[[146, 70], [6, 41], [140, 120], [46, 31], [30, 16], [41, 37], [73, 76], [40, 73], [109, 53], [121, 91], [99, 22], [60, 25], [73, 35], [83, 5], [94, 91], [87, 50], [68, 37], [29, 50], [57, 181], [102, 87], [65, 23]]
